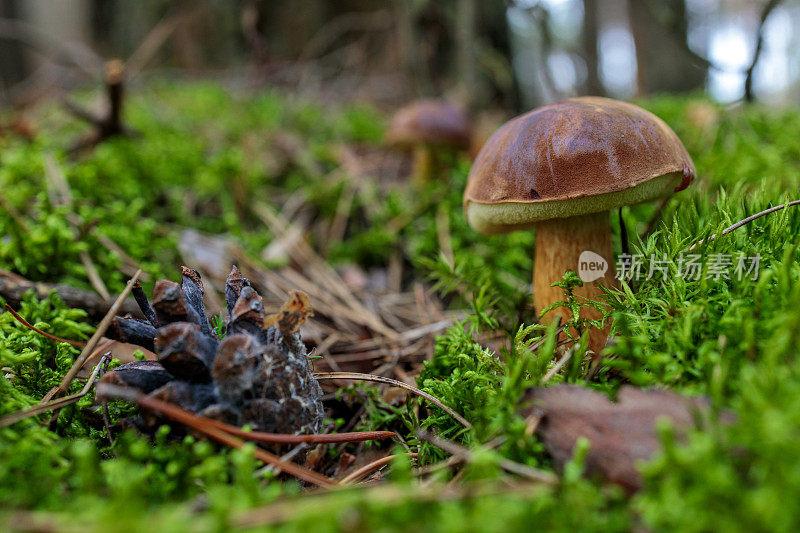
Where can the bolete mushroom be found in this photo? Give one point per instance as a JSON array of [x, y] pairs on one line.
[[429, 127], [560, 169]]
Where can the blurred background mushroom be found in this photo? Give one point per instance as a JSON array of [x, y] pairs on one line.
[[434, 130], [560, 169]]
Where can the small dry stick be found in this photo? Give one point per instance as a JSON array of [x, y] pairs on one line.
[[368, 469], [745, 221], [536, 345], [454, 460], [389, 381], [155, 39], [110, 124], [519, 469], [202, 425], [558, 366], [13, 418], [101, 329]]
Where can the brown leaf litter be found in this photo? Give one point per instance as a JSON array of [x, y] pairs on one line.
[[620, 433]]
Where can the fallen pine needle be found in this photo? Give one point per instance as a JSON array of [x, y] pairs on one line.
[[283, 438], [76, 344], [202, 425], [389, 381], [744, 221], [13, 418], [98, 334]]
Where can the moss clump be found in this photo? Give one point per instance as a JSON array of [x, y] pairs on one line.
[[215, 156]]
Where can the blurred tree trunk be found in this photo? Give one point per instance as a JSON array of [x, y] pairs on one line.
[[12, 65], [408, 36], [664, 60], [457, 44], [65, 21], [748, 82], [591, 27], [496, 38], [466, 35]]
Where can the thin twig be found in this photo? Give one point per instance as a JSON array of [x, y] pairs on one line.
[[389, 381], [368, 469], [55, 404], [202, 425], [536, 345], [743, 222], [94, 276], [76, 344], [558, 366], [57, 184], [130, 262], [450, 462], [288, 456], [98, 334], [154, 40], [534, 474]]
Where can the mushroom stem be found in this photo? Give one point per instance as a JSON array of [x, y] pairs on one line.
[[559, 244], [424, 164]]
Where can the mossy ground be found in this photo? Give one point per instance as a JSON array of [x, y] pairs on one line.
[[206, 155]]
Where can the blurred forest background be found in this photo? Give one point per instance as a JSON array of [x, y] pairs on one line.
[[484, 54]]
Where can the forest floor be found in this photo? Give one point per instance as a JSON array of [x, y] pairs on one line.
[[304, 196]]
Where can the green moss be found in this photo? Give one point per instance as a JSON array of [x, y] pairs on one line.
[[207, 156]]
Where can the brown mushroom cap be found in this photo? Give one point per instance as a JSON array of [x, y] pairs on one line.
[[574, 157], [429, 122]]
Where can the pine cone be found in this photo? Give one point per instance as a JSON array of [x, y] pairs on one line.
[[257, 375]]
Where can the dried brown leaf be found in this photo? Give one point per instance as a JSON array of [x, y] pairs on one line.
[[620, 433]]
